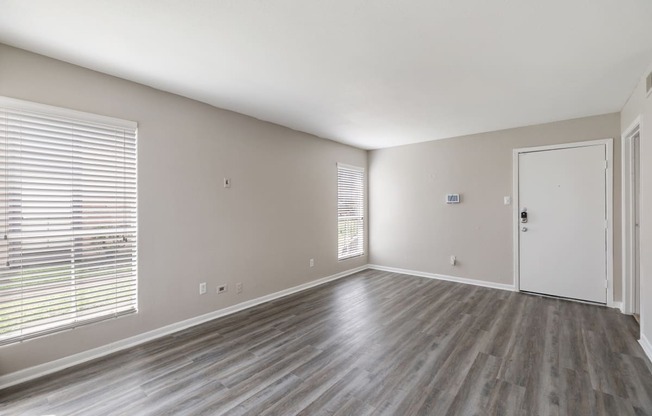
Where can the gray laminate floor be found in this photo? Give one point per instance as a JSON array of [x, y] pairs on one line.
[[371, 343]]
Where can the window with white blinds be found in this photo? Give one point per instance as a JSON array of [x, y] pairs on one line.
[[67, 219], [350, 211]]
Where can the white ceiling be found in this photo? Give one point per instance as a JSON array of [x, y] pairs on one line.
[[370, 73]]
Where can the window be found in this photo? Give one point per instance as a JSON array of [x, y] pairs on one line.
[[350, 211], [67, 219]]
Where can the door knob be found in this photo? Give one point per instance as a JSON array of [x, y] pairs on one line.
[[524, 229]]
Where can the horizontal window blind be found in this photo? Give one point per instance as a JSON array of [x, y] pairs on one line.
[[68, 247], [350, 211]]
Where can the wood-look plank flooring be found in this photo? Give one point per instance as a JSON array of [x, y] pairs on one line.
[[374, 343]]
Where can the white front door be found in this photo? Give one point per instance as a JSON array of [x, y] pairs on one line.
[[562, 246]]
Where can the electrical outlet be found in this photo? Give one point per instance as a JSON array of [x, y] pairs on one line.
[[453, 260], [202, 288], [238, 287], [507, 200], [222, 289], [227, 182], [312, 262]]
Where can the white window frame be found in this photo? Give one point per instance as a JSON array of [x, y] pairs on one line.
[[82, 316], [341, 256]]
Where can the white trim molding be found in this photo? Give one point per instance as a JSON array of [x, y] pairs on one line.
[[464, 280], [646, 345], [627, 216], [50, 110], [351, 167], [608, 143], [40, 370]]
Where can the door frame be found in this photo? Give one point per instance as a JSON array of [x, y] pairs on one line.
[[608, 143], [628, 232]]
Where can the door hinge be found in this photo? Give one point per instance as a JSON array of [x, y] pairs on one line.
[[606, 164], [606, 284]]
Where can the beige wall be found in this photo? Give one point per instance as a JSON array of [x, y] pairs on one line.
[[411, 226], [641, 105], [279, 213]]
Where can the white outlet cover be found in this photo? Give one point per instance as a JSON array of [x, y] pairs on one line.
[[507, 200], [202, 288]]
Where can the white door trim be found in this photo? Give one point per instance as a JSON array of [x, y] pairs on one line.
[[608, 143], [627, 212]]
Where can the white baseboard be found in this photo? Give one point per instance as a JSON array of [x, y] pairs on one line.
[[647, 347], [40, 370], [483, 283]]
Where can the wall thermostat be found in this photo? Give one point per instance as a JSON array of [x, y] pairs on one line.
[[453, 198]]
